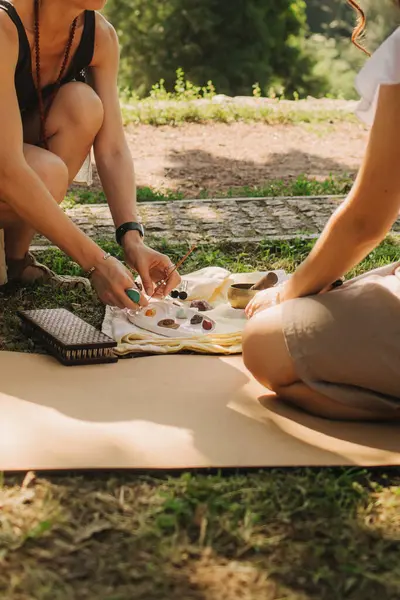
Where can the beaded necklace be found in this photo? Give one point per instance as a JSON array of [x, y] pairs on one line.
[[44, 110]]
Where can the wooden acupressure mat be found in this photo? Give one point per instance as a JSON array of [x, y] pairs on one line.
[[166, 412]]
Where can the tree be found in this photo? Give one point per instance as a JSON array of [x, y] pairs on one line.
[[331, 23], [336, 18], [235, 43]]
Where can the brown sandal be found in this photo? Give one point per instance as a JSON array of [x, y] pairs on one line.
[[28, 270]]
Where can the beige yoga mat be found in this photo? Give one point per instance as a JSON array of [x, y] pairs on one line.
[[166, 412]]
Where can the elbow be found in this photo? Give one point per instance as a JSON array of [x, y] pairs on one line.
[[361, 227], [109, 151], [369, 230]]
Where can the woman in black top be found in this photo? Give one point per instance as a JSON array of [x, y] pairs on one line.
[[58, 99]]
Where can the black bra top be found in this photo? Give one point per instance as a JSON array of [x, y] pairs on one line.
[[24, 82]]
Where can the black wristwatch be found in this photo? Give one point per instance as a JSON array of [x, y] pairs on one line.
[[125, 227]]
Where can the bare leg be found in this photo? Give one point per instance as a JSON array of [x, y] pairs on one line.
[[54, 174], [266, 356], [73, 123]]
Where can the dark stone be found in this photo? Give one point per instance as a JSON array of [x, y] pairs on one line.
[[196, 320], [201, 305], [168, 324]]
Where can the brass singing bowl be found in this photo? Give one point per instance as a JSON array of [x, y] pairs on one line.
[[240, 294]]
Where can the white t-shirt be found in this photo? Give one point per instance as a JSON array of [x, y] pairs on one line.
[[383, 67]]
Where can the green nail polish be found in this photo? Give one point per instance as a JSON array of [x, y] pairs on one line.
[[133, 295]]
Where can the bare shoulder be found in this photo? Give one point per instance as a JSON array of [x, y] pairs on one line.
[[9, 42], [107, 45]]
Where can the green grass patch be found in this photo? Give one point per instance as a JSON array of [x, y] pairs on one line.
[[294, 534], [78, 196], [334, 185], [300, 186], [190, 103], [178, 112]]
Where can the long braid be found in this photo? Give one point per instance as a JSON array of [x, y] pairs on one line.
[[44, 111]]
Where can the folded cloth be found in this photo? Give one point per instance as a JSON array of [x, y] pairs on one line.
[[383, 68], [211, 284]]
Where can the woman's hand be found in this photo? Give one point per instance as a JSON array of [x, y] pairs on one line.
[[111, 280], [265, 299], [152, 268]]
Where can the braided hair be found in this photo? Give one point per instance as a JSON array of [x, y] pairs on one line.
[[361, 23]]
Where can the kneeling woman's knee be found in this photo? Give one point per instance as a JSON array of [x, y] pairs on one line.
[[54, 174], [264, 350], [250, 344], [83, 107], [257, 345]]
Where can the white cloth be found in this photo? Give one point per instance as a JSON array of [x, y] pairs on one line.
[[85, 174], [211, 284], [382, 68]]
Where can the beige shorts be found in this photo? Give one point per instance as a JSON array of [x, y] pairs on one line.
[[345, 344]]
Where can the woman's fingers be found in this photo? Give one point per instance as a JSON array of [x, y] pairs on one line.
[[250, 308], [172, 283]]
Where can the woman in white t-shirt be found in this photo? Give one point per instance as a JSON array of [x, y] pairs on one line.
[[336, 353]]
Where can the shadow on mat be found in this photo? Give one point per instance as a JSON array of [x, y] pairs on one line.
[[168, 412], [150, 413], [370, 435]]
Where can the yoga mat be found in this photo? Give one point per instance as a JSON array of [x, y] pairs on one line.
[[166, 412]]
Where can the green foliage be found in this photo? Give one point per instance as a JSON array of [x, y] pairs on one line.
[[331, 24], [282, 48], [232, 44], [193, 104]]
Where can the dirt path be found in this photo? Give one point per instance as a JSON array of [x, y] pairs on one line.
[[194, 157]]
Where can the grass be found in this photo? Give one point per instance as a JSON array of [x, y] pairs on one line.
[[301, 186], [173, 112], [283, 534], [295, 534], [189, 103]]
